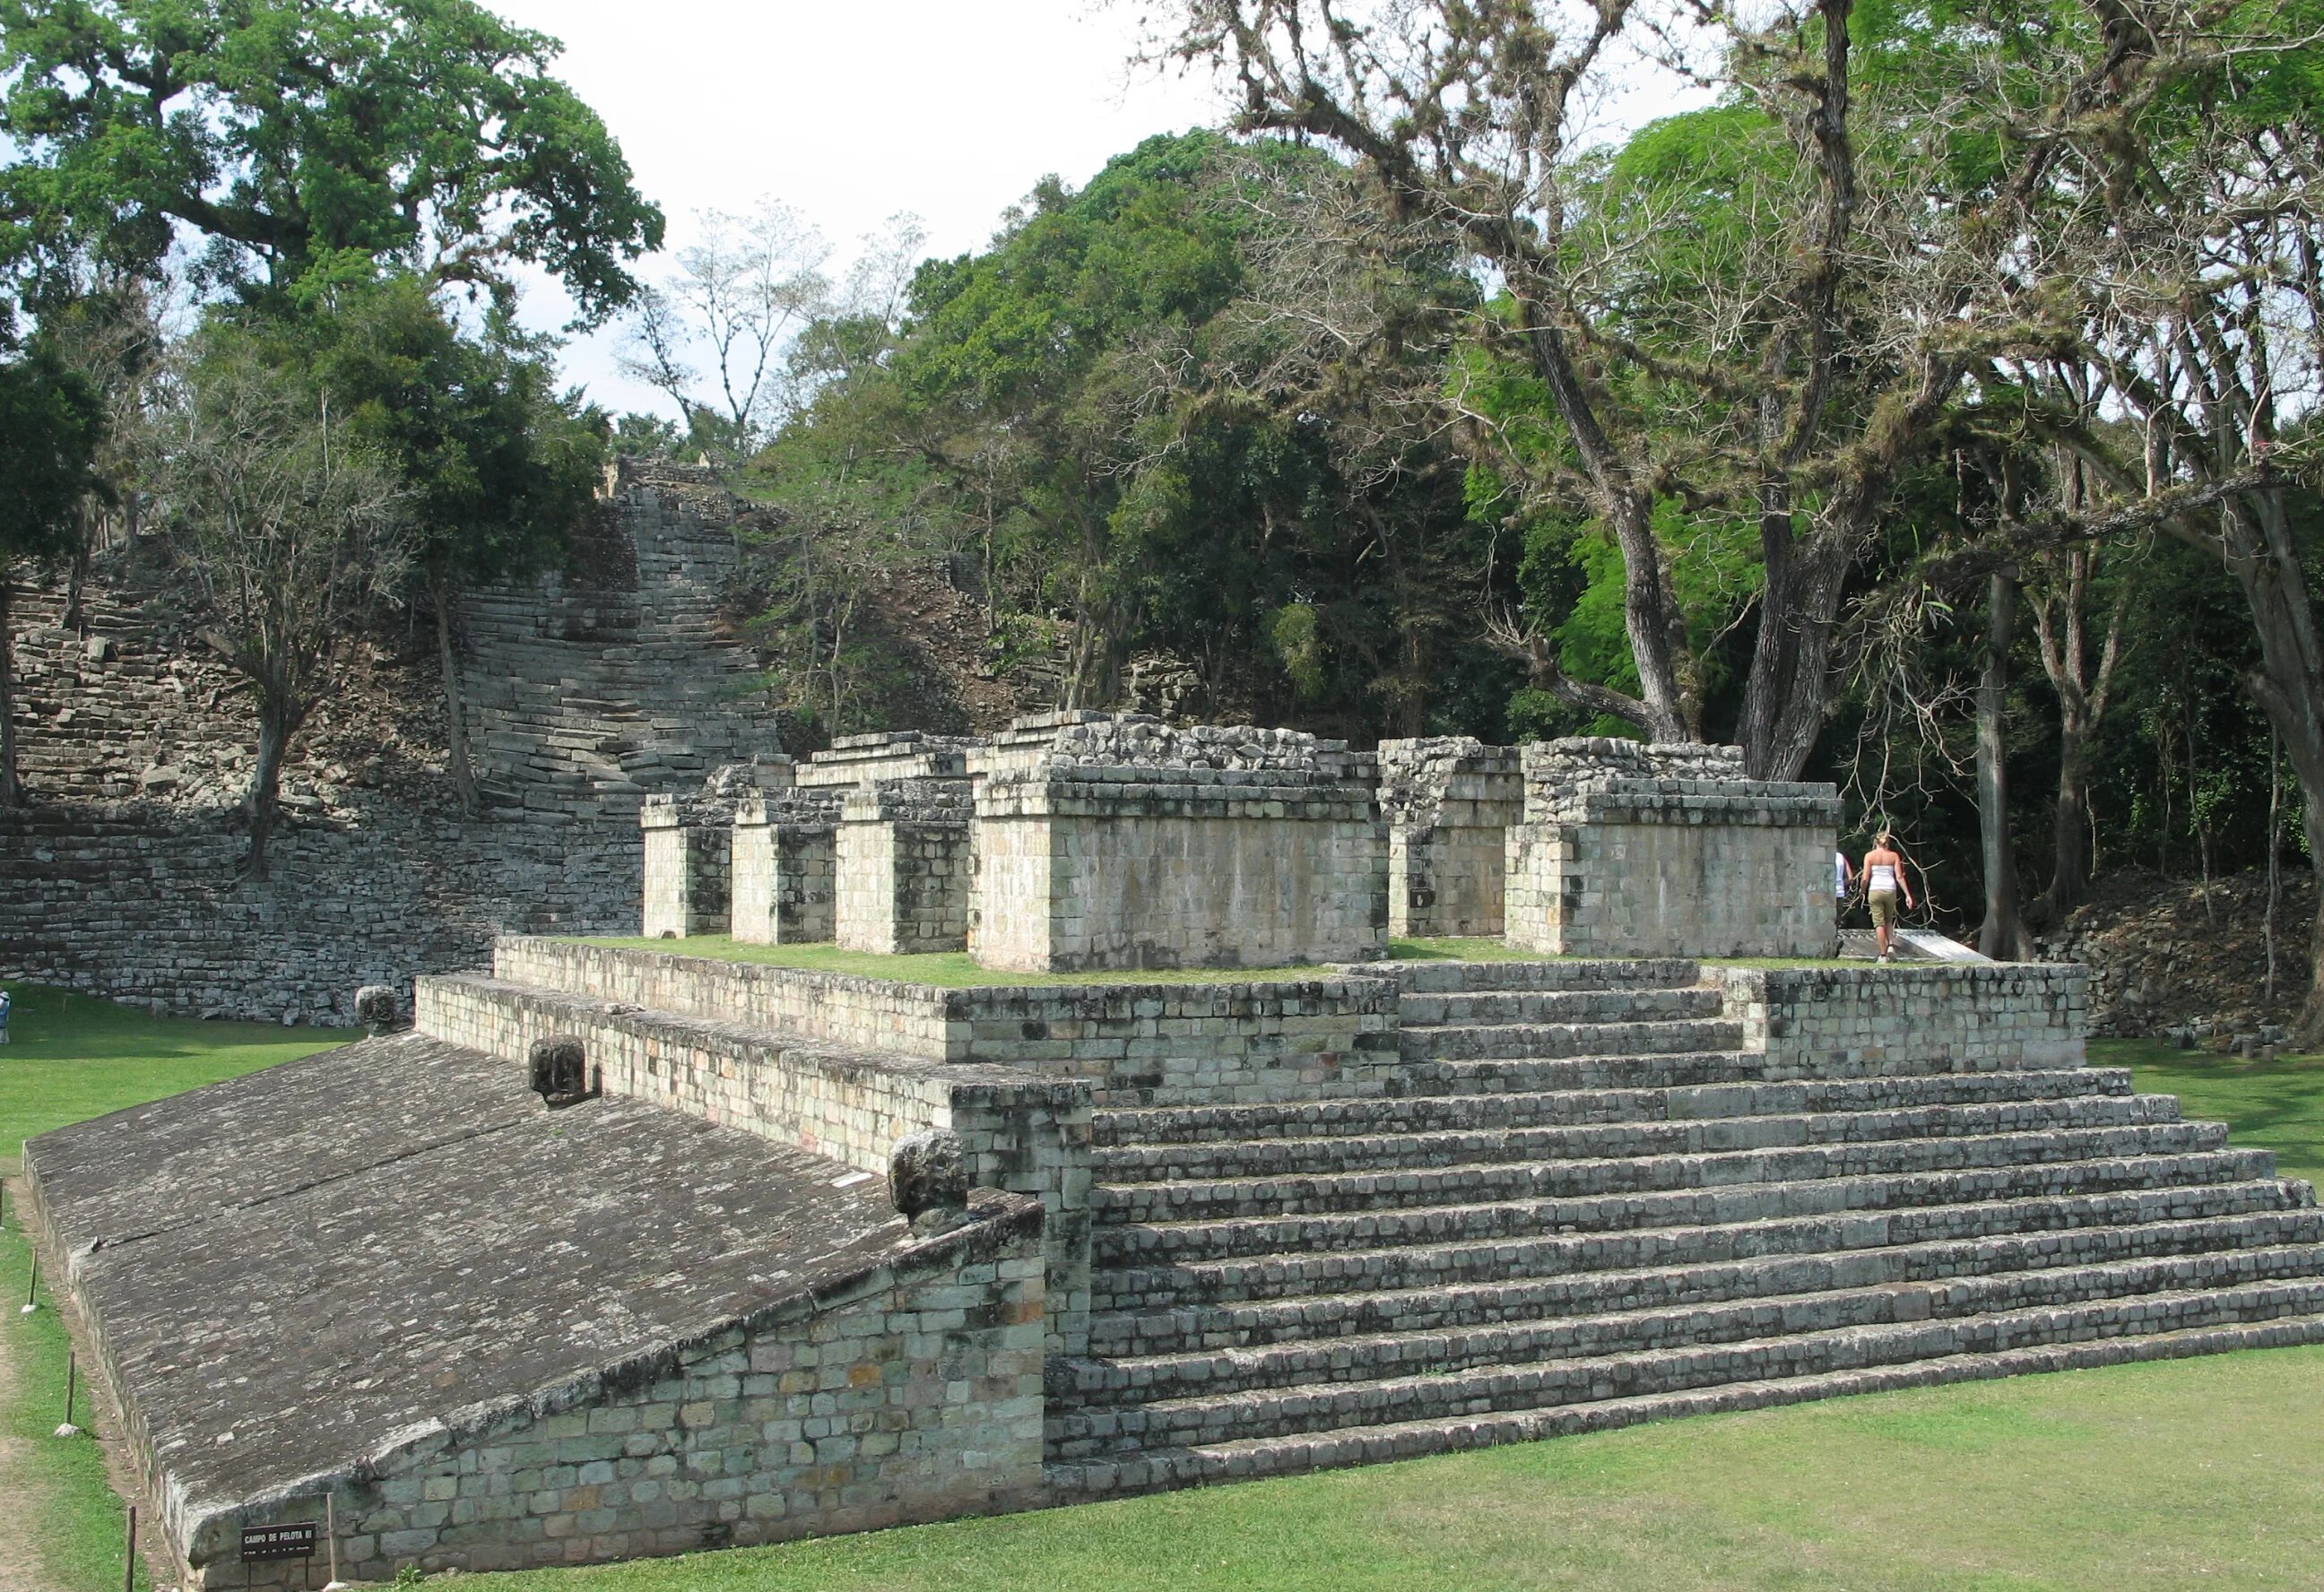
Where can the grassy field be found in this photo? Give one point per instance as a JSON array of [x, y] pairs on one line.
[[2198, 1473], [71, 1057], [2275, 1105]]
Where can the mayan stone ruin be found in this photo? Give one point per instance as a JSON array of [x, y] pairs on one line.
[[619, 1251]]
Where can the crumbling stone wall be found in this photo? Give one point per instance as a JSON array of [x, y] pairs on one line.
[[1667, 850], [586, 690]]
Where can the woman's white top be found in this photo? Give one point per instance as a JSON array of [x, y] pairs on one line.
[[1881, 879]]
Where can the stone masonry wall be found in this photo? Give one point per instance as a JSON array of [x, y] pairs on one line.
[[1130, 1043], [1838, 1021], [1637, 851], [785, 877], [903, 868], [913, 1392]]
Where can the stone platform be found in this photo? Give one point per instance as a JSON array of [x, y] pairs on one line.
[[1257, 1226]]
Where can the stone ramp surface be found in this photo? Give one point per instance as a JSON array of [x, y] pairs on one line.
[[287, 1269]]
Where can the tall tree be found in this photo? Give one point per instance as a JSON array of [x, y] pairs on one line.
[[300, 139], [1770, 328], [292, 530], [496, 467], [51, 422]]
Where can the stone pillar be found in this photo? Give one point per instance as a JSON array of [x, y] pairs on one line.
[[687, 865], [1449, 802], [904, 867], [1630, 849], [785, 852]]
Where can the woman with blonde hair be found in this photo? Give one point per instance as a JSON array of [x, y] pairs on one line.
[[1884, 881]]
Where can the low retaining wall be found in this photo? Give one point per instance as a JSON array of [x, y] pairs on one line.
[[1995, 1015], [1129, 1043]]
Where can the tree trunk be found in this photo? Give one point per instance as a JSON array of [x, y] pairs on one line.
[[277, 723], [2070, 864], [2004, 936], [11, 792], [456, 716]]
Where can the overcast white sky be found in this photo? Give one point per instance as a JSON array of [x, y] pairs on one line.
[[850, 112]]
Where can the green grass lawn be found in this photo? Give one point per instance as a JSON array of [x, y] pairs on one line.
[[2199, 1473], [2275, 1105], [72, 1057]]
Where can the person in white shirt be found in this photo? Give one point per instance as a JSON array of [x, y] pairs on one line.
[[1884, 881]]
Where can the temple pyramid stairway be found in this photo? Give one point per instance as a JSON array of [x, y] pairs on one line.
[[1586, 1203]]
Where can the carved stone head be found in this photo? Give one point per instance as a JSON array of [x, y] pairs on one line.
[[927, 1178]]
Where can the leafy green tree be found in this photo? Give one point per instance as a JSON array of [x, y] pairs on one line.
[[496, 466], [51, 422], [299, 140]]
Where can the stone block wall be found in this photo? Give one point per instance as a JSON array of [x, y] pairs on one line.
[[909, 1392], [1086, 875], [834, 1008], [904, 867], [1449, 803], [1130, 1043], [1637, 851], [1119, 842], [785, 859], [1823, 1022]]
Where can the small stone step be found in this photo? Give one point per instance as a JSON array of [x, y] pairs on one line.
[[1133, 1471], [1486, 1293], [1478, 1042], [1493, 1389], [1269, 1157], [1120, 1244], [1830, 1299], [1333, 1118], [1196, 1198]]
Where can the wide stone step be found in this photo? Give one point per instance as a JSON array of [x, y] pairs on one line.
[[1474, 1042], [1269, 1157], [1138, 1291], [1678, 1368], [1147, 1469], [1194, 1198], [1123, 1244], [1337, 1119], [1494, 1299], [1607, 1069], [1503, 1008], [1204, 1373], [1473, 978]]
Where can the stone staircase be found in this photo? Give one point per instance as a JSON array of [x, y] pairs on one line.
[[1589, 1205]]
